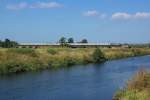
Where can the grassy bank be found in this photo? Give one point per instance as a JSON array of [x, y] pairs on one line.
[[26, 59], [138, 88]]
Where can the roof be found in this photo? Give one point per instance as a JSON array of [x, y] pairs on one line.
[[73, 44]]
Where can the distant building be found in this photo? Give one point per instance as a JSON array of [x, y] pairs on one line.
[[72, 45]]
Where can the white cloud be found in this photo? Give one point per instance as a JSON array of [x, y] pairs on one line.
[[138, 15], [120, 15], [41, 5], [46, 5], [94, 13], [19, 6], [142, 15], [91, 13]]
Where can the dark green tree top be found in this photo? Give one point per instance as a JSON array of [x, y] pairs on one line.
[[70, 40], [84, 41], [62, 40]]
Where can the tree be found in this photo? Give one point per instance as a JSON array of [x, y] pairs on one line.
[[98, 56], [84, 41], [8, 44], [14, 44], [70, 40], [62, 40], [1, 43]]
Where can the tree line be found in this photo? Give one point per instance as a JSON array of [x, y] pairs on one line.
[[8, 43], [65, 42], [71, 40]]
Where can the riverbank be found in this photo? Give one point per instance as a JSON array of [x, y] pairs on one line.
[[138, 88], [26, 59]]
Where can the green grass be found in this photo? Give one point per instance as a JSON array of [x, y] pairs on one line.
[[15, 60], [52, 51], [138, 88]]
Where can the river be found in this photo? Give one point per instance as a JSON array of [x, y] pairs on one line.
[[84, 82]]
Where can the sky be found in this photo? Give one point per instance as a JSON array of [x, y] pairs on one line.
[[106, 21]]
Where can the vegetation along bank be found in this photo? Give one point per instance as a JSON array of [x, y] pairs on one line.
[[16, 60], [138, 88]]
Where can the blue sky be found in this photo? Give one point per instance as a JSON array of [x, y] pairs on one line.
[[125, 21]]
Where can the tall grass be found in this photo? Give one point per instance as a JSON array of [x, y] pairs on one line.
[[117, 53], [138, 88], [52, 51], [16, 60], [23, 51]]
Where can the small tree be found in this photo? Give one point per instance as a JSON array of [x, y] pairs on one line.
[[98, 56], [62, 41], [7, 43], [84, 41], [14, 44], [70, 40], [1, 43]]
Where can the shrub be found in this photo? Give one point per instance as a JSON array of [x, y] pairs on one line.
[[98, 56]]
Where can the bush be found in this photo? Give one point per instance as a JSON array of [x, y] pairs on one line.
[[98, 56]]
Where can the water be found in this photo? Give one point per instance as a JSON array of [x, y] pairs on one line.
[[89, 82]]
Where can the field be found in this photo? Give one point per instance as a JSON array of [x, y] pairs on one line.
[[16, 60]]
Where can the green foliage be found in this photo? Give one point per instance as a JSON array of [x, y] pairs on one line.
[[13, 66], [66, 61], [62, 40], [98, 56], [52, 51], [70, 40], [84, 41], [8, 44]]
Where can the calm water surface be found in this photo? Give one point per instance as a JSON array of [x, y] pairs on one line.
[[87, 82]]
